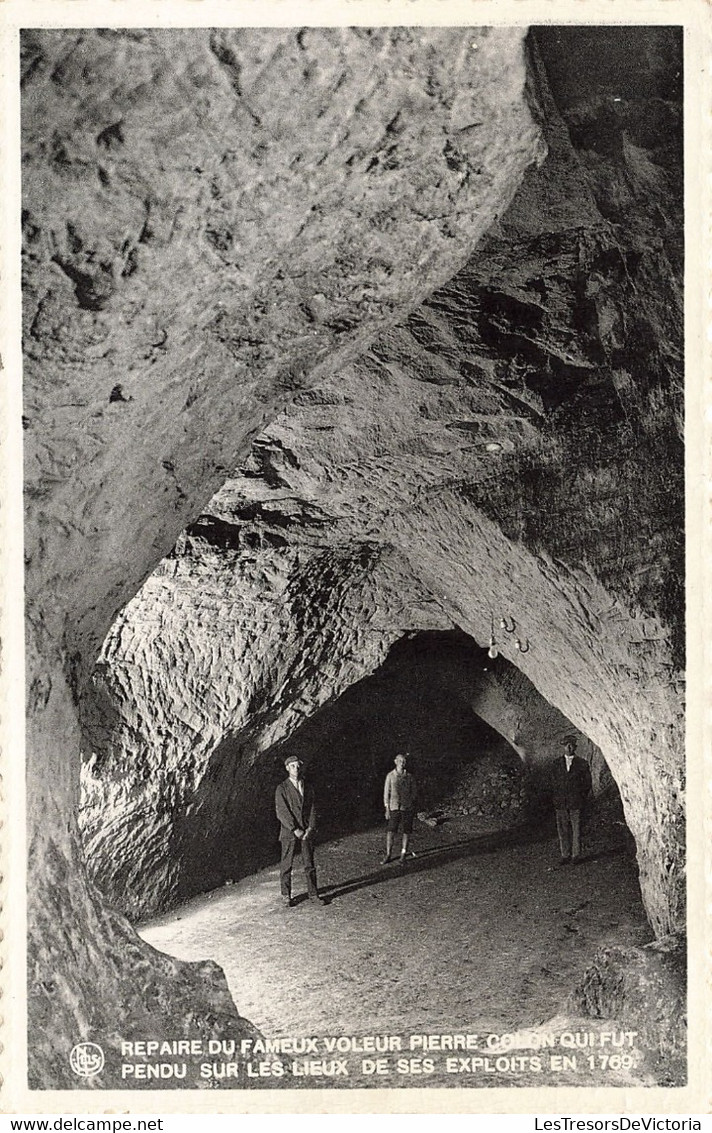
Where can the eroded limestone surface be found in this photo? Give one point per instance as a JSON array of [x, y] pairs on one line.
[[512, 448], [212, 221], [647, 988]]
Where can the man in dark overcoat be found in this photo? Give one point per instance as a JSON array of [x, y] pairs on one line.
[[296, 812], [570, 783]]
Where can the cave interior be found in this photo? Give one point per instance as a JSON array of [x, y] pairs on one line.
[[307, 447]]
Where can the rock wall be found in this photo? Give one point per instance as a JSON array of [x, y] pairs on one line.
[[211, 216], [646, 988], [514, 446], [221, 655], [212, 221]]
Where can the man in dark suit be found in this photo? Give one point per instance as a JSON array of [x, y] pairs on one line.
[[294, 804], [571, 783]]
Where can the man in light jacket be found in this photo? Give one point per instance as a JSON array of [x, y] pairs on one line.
[[399, 794]]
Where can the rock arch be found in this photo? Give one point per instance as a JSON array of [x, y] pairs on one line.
[[189, 275]]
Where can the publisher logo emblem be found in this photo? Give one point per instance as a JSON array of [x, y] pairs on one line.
[[86, 1059]]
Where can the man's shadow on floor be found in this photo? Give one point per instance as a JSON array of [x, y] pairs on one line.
[[437, 856]]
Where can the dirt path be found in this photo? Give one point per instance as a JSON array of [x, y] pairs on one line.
[[481, 932]]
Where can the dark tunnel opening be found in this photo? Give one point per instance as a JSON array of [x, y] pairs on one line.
[[412, 705], [425, 699]]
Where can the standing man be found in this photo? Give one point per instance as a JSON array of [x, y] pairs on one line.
[[294, 804], [399, 800], [571, 783]]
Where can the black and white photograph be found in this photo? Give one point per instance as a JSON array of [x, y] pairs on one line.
[[355, 423]]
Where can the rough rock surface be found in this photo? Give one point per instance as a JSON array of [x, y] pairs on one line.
[[158, 1000], [512, 449], [212, 220], [209, 218], [645, 988], [492, 788]]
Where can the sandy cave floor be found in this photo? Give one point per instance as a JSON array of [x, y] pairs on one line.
[[483, 931]]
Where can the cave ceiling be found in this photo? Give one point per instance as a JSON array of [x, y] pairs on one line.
[[216, 257]]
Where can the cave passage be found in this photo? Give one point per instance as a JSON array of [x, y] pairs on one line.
[[479, 738], [482, 931]]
